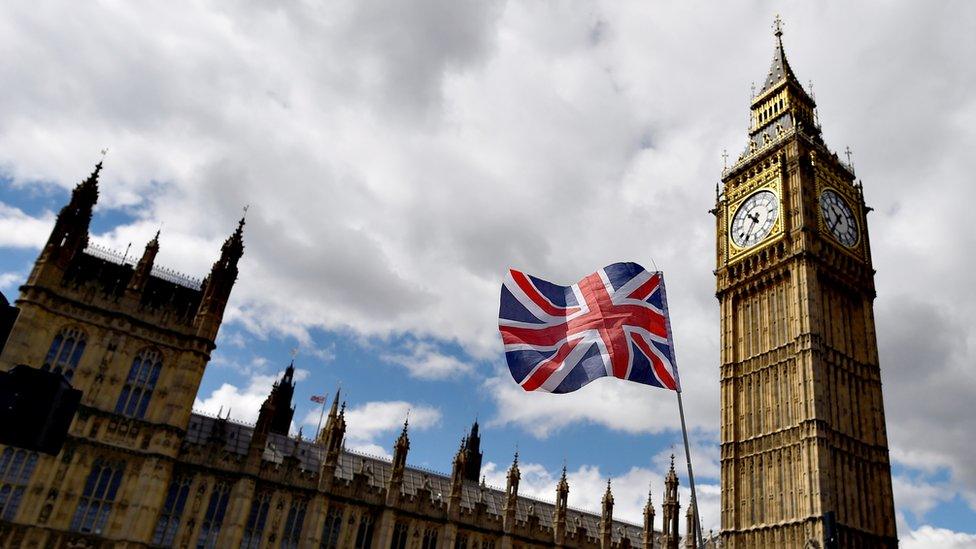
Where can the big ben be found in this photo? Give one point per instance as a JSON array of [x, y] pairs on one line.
[[804, 453]]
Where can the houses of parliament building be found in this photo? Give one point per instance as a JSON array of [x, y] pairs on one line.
[[139, 469], [804, 458]]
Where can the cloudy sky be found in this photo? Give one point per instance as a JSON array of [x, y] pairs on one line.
[[398, 157]]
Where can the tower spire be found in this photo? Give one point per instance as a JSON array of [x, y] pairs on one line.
[[218, 284], [69, 237]]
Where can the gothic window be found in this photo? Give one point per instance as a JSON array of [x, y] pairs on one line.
[[333, 525], [364, 535], [461, 541], [97, 498], [169, 517], [65, 352], [16, 467], [139, 385], [400, 530], [430, 538], [488, 544], [212, 519], [256, 520], [293, 524]]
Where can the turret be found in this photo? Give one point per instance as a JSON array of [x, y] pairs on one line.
[[606, 519], [282, 393], [691, 528], [218, 284], [400, 449], [670, 509], [648, 537], [458, 470], [511, 495], [69, 237], [331, 439], [562, 501], [473, 455], [144, 268]]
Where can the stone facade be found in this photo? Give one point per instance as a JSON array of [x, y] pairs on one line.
[[139, 469], [803, 444]]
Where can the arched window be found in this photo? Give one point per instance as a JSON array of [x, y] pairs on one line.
[[169, 517], [291, 537], [214, 517], [65, 352], [95, 503], [332, 527], [16, 467], [256, 519], [139, 385]]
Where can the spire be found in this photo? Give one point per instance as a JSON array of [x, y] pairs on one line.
[[69, 237], [691, 528], [648, 537], [473, 454], [606, 519], [608, 497], [780, 69], [400, 449], [670, 508], [511, 495], [277, 407], [562, 501], [144, 268], [218, 284]]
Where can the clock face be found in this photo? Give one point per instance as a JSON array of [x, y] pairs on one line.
[[838, 218], [754, 219]]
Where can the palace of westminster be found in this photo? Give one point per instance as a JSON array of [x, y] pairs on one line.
[[804, 457]]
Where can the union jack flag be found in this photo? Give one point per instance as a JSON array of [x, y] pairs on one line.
[[614, 323], [319, 399]]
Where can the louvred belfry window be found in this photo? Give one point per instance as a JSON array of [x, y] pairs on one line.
[[139, 385]]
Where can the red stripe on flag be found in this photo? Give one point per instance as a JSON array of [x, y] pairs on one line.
[[548, 367], [659, 369], [526, 285]]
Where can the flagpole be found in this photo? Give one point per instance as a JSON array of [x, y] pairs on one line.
[[691, 475]]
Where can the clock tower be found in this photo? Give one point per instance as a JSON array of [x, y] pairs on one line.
[[804, 454]]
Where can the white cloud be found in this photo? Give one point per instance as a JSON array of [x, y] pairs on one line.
[[10, 280], [20, 230], [366, 423], [587, 485], [929, 537], [424, 361], [648, 409]]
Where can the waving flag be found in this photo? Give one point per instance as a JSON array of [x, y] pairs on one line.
[[614, 322]]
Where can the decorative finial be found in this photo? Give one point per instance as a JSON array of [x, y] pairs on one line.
[[777, 26], [848, 153], [725, 159], [752, 89]]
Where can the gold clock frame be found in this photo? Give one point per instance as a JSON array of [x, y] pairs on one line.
[[853, 248], [736, 252]]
